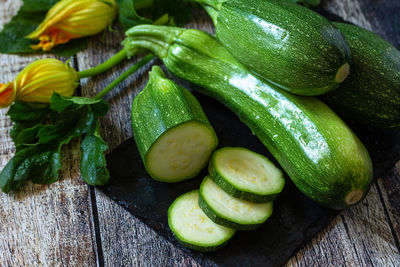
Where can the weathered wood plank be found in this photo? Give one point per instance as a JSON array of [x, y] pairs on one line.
[[389, 188], [42, 225], [360, 236]]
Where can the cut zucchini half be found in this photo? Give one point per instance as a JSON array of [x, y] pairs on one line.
[[229, 211], [173, 135], [181, 152], [246, 175], [193, 228]]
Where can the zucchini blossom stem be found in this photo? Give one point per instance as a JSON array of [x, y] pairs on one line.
[[124, 76], [103, 67]]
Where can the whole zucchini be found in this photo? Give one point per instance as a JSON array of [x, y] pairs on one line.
[[322, 156], [371, 94], [173, 135], [287, 44]]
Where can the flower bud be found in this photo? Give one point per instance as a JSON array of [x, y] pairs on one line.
[[38, 81], [70, 19]]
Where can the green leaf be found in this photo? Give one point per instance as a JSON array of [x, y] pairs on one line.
[[37, 5], [27, 136], [128, 17], [93, 163], [30, 15], [26, 116], [27, 112], [61, 103], [178, 10], [40, 132], [38, 163]]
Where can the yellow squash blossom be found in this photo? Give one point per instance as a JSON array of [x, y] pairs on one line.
[[38, 81], [70, 19]]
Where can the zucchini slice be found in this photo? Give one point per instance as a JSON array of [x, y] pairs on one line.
[[246, 175], [229, 211], [193, 228], [173, 135]]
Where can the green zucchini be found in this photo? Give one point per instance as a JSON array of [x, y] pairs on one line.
[[309, 3], [229, 211], [318, 151], [371, 94], [287, 44], [245, 174], [193, 228], [172, 133]]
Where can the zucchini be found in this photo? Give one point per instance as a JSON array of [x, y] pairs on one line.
[[309, 3], [229, 211], [287, 44], [318, 151], [172, 133], [193, 228], [371, 94], [245, 174]]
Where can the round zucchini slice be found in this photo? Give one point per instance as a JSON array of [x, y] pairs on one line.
[[246, 175], [193, 228], [229, 211]]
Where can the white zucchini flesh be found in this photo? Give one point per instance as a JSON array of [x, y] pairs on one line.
[[191, 226], [181, 151], [231, 208], [248, 171]]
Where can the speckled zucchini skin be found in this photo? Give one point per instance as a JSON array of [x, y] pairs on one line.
[[371, 94], [287, 44], [313, 145], [160, 106]]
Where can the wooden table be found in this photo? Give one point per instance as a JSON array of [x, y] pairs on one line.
[[72, 224]]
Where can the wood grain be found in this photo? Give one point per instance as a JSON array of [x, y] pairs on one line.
[[360, 236], [42, 225], [389, 188]]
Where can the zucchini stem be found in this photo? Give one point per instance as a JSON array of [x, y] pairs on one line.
[[124, 76], [353, 197], [103, 67], [342, 73]]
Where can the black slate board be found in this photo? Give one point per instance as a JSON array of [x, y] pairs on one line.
[[295, 220]]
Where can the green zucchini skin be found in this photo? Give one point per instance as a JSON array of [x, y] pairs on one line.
[[287, 44], [231, 190], [371, 93], [219, 219], [159, 107], [318, 151]]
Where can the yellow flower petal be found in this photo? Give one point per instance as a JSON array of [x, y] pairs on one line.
[[7, 95], [38, 81], [70, 19]]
